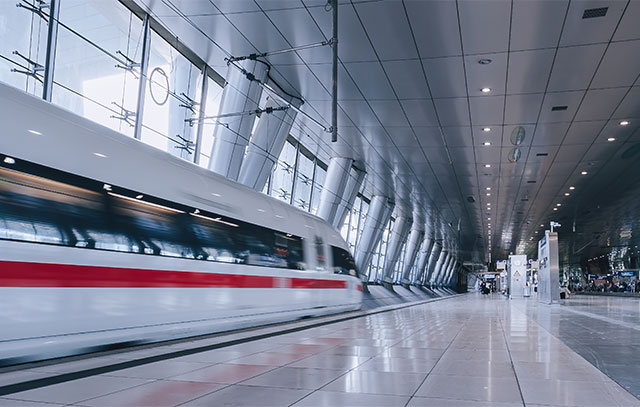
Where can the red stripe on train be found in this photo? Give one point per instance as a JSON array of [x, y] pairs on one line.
[[23, 274]]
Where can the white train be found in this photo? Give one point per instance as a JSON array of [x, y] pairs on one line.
[[105, 240]]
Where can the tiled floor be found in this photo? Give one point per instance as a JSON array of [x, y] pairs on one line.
[[466, 351]]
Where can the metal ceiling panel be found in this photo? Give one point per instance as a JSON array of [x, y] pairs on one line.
[[578, 31], [257, 28], [584, 132], [629, 29], [459, 136], [407, 79], [574, 67], [435, 27], [347, 89], [527, 19], [429, 136], [569, 99], [371, 80], [521, 109], [617, 68], [377, 136], [437, 155], [486, 75], [529, 70], [446, 77], [484, 26], [389, 112], [599, 104], [453, 112], [601, 151], [390, 40], [232, 6], [571, 153], [487, 155], [487, 110], [420, 112], [528, 134], [402, 136], [461, 155], [302, 80], [359, 112], [630, 106]]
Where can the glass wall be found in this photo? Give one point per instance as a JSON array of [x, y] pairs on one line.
[[379, 254]]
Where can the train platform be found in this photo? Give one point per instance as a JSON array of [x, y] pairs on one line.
[[465, 350]]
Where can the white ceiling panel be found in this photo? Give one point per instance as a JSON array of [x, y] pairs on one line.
[[529, 70], [487, 155], [578, 31], [435, 27], [629, 29], [347, 89], [571, 153], [389, 112], [420, 112], [574, 67], [558, 172], [617, 68], [391, 41], [459, 136], [601, 151], [521, 109], [599, 104], [303, 81], [429, 136], [536, 24], [487, 110], [461, 155], [630, 106], [584, 132], [407, 79], [232, 6], [569, 99], [446, 77], [402, 136], [490, 76], [453, 112], [437, 155], [550, 134], [484, 25], [359, 112], [371, 80]]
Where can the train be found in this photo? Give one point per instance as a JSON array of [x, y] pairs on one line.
[[106, 241]]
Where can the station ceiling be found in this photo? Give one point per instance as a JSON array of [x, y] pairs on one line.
[[560, 75]]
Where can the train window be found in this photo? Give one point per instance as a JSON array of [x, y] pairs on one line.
[[74, 211], [343, 262]]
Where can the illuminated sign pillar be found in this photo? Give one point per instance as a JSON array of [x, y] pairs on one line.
[[548, 269], [517, 275]]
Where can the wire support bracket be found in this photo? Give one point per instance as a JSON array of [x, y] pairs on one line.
[[34, 70], [129, 64], [255, 56], [257, 112], [37, 7], [126, 115]]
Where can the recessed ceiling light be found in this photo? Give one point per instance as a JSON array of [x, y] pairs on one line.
[[488, 218], [215, 194], [584, 173], [566, 194], [37, 133], [141, 196], [261, 210], [624, 123], [488, 194], [572, 188], [541, 226], [536, 231], [100, 155], [611, 139], [485, 90], [486, 143], [558, 204], [488, 188], [9, 160], [487, 166], [485, 129], [555, 209]]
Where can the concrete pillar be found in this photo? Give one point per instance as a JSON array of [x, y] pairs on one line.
[[449, 269], [377, 218], [444, 254], [444, 269], [348, 198], [230, 140], [432, 262], [450, 278], [423, 259], [266, 144], [399, 234], [334, 187], [416, 237]]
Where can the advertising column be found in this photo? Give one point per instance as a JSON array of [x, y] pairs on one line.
[[548, 269], [517, 275]]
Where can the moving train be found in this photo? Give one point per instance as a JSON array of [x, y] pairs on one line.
[[106, 241]]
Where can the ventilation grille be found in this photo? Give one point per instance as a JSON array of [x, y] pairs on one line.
[[525, 199], [558, 108], [531, 182], [542, 154], [595, 12]]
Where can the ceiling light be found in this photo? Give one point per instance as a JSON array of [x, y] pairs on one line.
[[566, 194], [536, 231], [9, 160], [572, 188], [555, 209], [541, 226], [488, 218], [486, 143], [100, 155], [37, 133], [558, 204], [488, 194], [488, 188], [488, 203], [141, 196], [624, 123], [611, 139], [487, 166], [485, 90], [485, 129], [584, 173], [261, 210], [106, 187], [215, 194]]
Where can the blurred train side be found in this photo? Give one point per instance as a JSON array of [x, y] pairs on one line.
[[42, 321]]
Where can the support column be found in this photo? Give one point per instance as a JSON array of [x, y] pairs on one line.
[[52, 42], [142, 85], [266, 144], [423, 258], [378, 216], [239, 95], [399, 234], [448, 270], [444, 269], [334, 187], [432, 262], [436, 272], [350, 193], [416, 237], [452, 274]]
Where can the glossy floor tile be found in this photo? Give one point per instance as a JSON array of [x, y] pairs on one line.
[[468, 351]]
